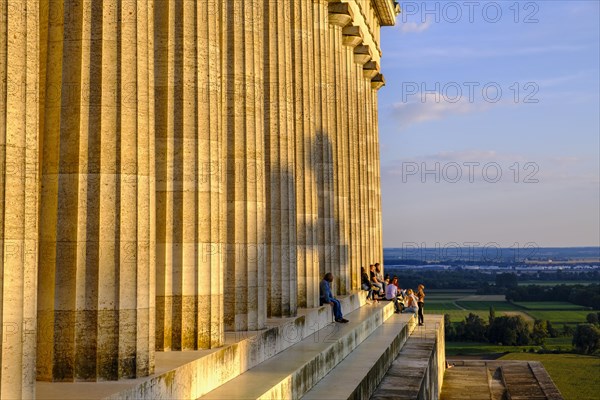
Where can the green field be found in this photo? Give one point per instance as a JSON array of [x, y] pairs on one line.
[[549, 305], [554, 283], [485, 305], [458, 304], [435, 295], [560, 317], [576, 376], [479, 349]]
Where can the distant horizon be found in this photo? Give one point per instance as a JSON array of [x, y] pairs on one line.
[[504, 247]]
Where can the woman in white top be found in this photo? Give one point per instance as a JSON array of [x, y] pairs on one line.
[[411, 305]]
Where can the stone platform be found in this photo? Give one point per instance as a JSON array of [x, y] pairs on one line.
[[418, 371], [498, 380], [308, 356], [192, 374]]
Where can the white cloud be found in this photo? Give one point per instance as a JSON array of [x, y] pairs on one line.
[[414, 112], [413, 27]]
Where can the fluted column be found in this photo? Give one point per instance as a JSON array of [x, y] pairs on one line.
[[306, 187], [189, 192], [362, 156], [378, 217], [245, 278], [19, 141], [323, 145], [280, 162], [338, 18], [212, 173], [353, 162], [96, 269], [370, 160]]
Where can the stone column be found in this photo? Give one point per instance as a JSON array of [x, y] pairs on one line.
[[339, 17], [305, 188], [351, 37], [370, 70], [189, 188], [212, 171], [96, 268], [280, 162], [322, 146], [19, 141], [371, 239], [378, 217], [243, 125], [362, 155]]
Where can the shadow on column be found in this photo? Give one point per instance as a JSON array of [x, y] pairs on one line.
[[329, 253]]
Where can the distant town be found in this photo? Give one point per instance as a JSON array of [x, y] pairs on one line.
[[528, 259]]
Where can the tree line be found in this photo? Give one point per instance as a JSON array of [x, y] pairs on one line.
[[583, 295], [515, 331]]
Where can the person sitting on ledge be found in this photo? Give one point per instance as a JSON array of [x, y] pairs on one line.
[[391, 294], [411, 305], [327, 298], [366, 284], [380, 278], [375, 281]]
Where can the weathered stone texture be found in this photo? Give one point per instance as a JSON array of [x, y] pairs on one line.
[[184, 168]]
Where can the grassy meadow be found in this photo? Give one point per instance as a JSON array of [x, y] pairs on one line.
[[576, 376]]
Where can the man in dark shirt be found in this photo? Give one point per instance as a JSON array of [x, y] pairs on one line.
[[327, 298]]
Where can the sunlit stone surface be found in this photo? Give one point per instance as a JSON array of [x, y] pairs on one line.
[[172, 170]]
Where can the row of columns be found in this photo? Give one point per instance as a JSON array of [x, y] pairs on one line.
[[172, 170]]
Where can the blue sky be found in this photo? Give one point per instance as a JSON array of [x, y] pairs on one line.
[[536, 123]]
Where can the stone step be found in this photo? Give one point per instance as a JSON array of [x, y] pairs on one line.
[[191, 374], [358, 375], [521, 383], [293, 372], [507, 379], [417, 372]]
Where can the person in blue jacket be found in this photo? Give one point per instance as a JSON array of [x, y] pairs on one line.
[[327, 298]]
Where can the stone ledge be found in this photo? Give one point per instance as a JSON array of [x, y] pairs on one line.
[[358, 375], [294, 372], [191, 374], [418, 371]]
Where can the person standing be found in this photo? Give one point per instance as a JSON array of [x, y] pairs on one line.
[[327, 298], [421, 303]]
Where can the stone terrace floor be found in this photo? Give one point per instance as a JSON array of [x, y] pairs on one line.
[[498, 380]]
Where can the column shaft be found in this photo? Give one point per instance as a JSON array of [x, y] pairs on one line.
[[378, 217], [322, 143], [245, 279], [279, 162], [305, 187], [340, 164], [19, 140], [189, 194], [96, 280], [362, 155], [353, 161], [368, 169]]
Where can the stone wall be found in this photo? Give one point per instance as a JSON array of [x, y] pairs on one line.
[[170, 170]]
